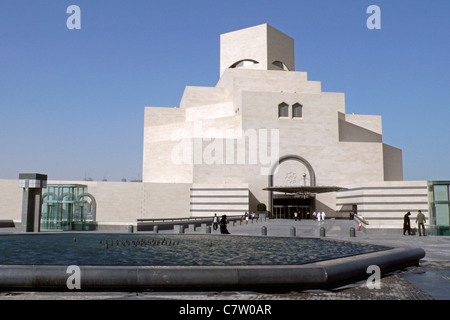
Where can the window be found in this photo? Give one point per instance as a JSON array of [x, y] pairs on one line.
[[283, 110], [280, 65], [244, 63], [441, 193], [297, 111]]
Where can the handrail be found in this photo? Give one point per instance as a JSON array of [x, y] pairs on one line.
[[184, 219], [361, 220]]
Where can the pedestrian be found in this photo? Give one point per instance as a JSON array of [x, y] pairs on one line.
[[295, 215], [420, 220], [323, 215], [406, 223], [223, 225], [314, 215], [215, 221]]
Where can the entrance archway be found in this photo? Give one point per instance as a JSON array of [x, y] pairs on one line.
[[312, 175]]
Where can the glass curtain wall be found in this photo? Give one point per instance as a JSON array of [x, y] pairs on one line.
[[64, 207], [439, 200]]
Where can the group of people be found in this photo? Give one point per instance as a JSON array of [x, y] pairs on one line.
[[248, 216], [319, 216], [222, 222], [420, 220]]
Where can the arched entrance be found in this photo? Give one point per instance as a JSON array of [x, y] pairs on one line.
[[91, 214], [288, 204]]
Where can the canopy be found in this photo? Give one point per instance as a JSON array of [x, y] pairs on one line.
[[305, 189]]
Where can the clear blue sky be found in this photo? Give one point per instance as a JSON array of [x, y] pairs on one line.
[[72, 101]]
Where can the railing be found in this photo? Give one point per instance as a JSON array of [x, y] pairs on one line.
[[168, 223], [360, 220], [187, 219]]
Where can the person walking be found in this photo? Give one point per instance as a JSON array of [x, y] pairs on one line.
[[323, 215], [406, 223], [215, 221], [420, 220], [223, 225], [352, 215]]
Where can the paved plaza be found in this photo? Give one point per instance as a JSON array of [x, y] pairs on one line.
[[428, 281]]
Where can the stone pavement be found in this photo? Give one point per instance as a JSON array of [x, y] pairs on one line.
[[428, 281]]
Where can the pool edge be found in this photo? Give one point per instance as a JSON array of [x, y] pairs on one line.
[[317, 275]]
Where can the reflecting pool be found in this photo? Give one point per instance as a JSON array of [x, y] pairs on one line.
[[171, 250]]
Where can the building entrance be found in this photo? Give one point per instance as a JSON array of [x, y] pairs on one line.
[[284, 208]]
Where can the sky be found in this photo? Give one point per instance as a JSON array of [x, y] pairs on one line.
[[72, 100]]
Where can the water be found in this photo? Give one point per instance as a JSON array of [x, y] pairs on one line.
[[171, 250]]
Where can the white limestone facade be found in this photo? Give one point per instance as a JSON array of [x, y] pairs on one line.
[[261, 103], [383, 204]]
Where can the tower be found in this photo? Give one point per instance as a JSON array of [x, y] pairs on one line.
[[260, 47]]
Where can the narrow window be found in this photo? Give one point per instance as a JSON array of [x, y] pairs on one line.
[[283, 110], [280, 65], [297, 110]]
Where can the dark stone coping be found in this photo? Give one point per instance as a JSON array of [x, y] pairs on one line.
[[319, 275]]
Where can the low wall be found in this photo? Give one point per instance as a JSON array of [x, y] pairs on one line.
[[384, 204]]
